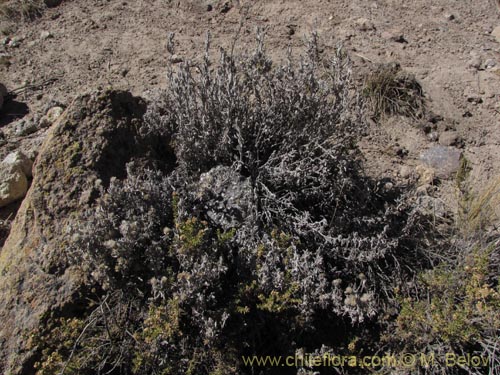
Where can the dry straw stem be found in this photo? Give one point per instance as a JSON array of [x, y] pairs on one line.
[[478, 211], [21, 9]]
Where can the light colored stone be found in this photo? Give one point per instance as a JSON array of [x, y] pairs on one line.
[[445, 160], [19, 159], [46, 35], [450, 138], [51, 116], [13, 184], [364, 24], [405, 171], [426, 175], [176, 59], [496, 33], [394, 35], [475, 62]]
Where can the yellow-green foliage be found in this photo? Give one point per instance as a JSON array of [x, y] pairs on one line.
[[462, 303], [161, 323], [277, 302], [191, 234], [58, 343]]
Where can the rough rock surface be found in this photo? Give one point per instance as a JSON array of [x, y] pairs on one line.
[[18, 158], [445, 160], [227, 195], [91, 143]]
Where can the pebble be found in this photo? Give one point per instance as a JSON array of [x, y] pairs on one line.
[[176, 59], [51, 116], [433, 136], [496, 33], [450, 138], [14, 43], [444, 160], [13, 184], [405, 171], [394, 36], [490, 63], [19, 159], [475, 62], [364, 24], [46, 35], [24, 128]]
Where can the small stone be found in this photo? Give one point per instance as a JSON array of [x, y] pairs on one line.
[[51, 116], [14, 43], [19, 159], [24, 128], [176, 59], [450, 138], [475, 62], [394, 36], [496, 33], [445, 160], [46, 35], [5, 41], [405, 172], [364, 24], [209, 7], [490, 63], [13, 184], [449, 17], [433, 136]]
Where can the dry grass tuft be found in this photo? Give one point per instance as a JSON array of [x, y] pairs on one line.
[[393, 92], [15, 10]]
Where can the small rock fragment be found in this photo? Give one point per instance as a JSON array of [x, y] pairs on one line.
[[46, 35], [490, 63], [13, 184], [176, 59], [496, 33], [445, 160], [25, 127], [475, 62], [51, 116], [364, 24], [14, 43], [450, 138], [19, 159], [394, 36], [405, 172]]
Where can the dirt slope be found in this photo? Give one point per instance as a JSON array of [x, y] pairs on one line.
[[82, 45]]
